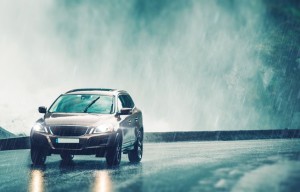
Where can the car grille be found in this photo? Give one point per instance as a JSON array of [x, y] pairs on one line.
[[68, 130]]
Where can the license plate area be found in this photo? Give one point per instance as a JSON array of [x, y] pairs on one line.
[[67, 140]]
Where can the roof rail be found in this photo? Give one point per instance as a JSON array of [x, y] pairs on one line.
[[90, 89]]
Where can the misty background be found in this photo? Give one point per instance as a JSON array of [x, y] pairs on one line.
[[189, 65]]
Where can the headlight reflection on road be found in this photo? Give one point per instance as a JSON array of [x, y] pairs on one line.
[[36, 181], [102, 182]]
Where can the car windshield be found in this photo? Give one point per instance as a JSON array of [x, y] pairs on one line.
[[86, 103]]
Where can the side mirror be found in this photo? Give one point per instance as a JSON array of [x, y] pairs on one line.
[[125, 111], [42, 109]]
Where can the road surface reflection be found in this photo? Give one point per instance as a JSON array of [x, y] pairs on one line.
[[36, 181], [102, 182]]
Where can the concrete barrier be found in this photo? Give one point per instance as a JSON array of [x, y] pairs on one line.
[[221, 135], [24, 142], [14, 143]]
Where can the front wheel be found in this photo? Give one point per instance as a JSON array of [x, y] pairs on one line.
[[113, 155], [136, 154], [38, 157]]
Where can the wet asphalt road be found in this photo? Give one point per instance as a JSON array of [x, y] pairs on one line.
[[257, 165]]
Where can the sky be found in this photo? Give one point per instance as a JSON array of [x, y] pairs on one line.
[[189, 65]]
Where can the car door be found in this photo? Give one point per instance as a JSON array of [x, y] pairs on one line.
[[127, 123], [133, 118]]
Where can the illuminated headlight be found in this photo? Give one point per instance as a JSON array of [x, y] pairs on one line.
[[39, 128], [104, 128]]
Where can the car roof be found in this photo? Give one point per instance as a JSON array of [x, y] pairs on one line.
[[101, 91]]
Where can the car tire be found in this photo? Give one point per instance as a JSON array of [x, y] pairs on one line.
[[66, 156], [38, 157], [136, 154], [114, 154]]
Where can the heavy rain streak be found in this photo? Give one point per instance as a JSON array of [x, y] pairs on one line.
[[190, 65], [216, 84]]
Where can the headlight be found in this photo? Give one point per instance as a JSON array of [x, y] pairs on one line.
[[104, 128], [39, 128]]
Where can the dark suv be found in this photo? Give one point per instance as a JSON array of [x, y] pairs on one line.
[[101, 122]]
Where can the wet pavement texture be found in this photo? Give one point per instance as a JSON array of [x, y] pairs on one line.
[[256, 165]]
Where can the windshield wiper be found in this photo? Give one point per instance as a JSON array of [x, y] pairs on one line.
[[87, 107]]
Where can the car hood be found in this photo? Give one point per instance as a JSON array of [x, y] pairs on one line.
[[77, 119]]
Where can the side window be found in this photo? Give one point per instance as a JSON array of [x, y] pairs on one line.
[[125, 101], [129, 100]]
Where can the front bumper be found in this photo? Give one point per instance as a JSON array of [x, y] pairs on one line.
[[88, 144]]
